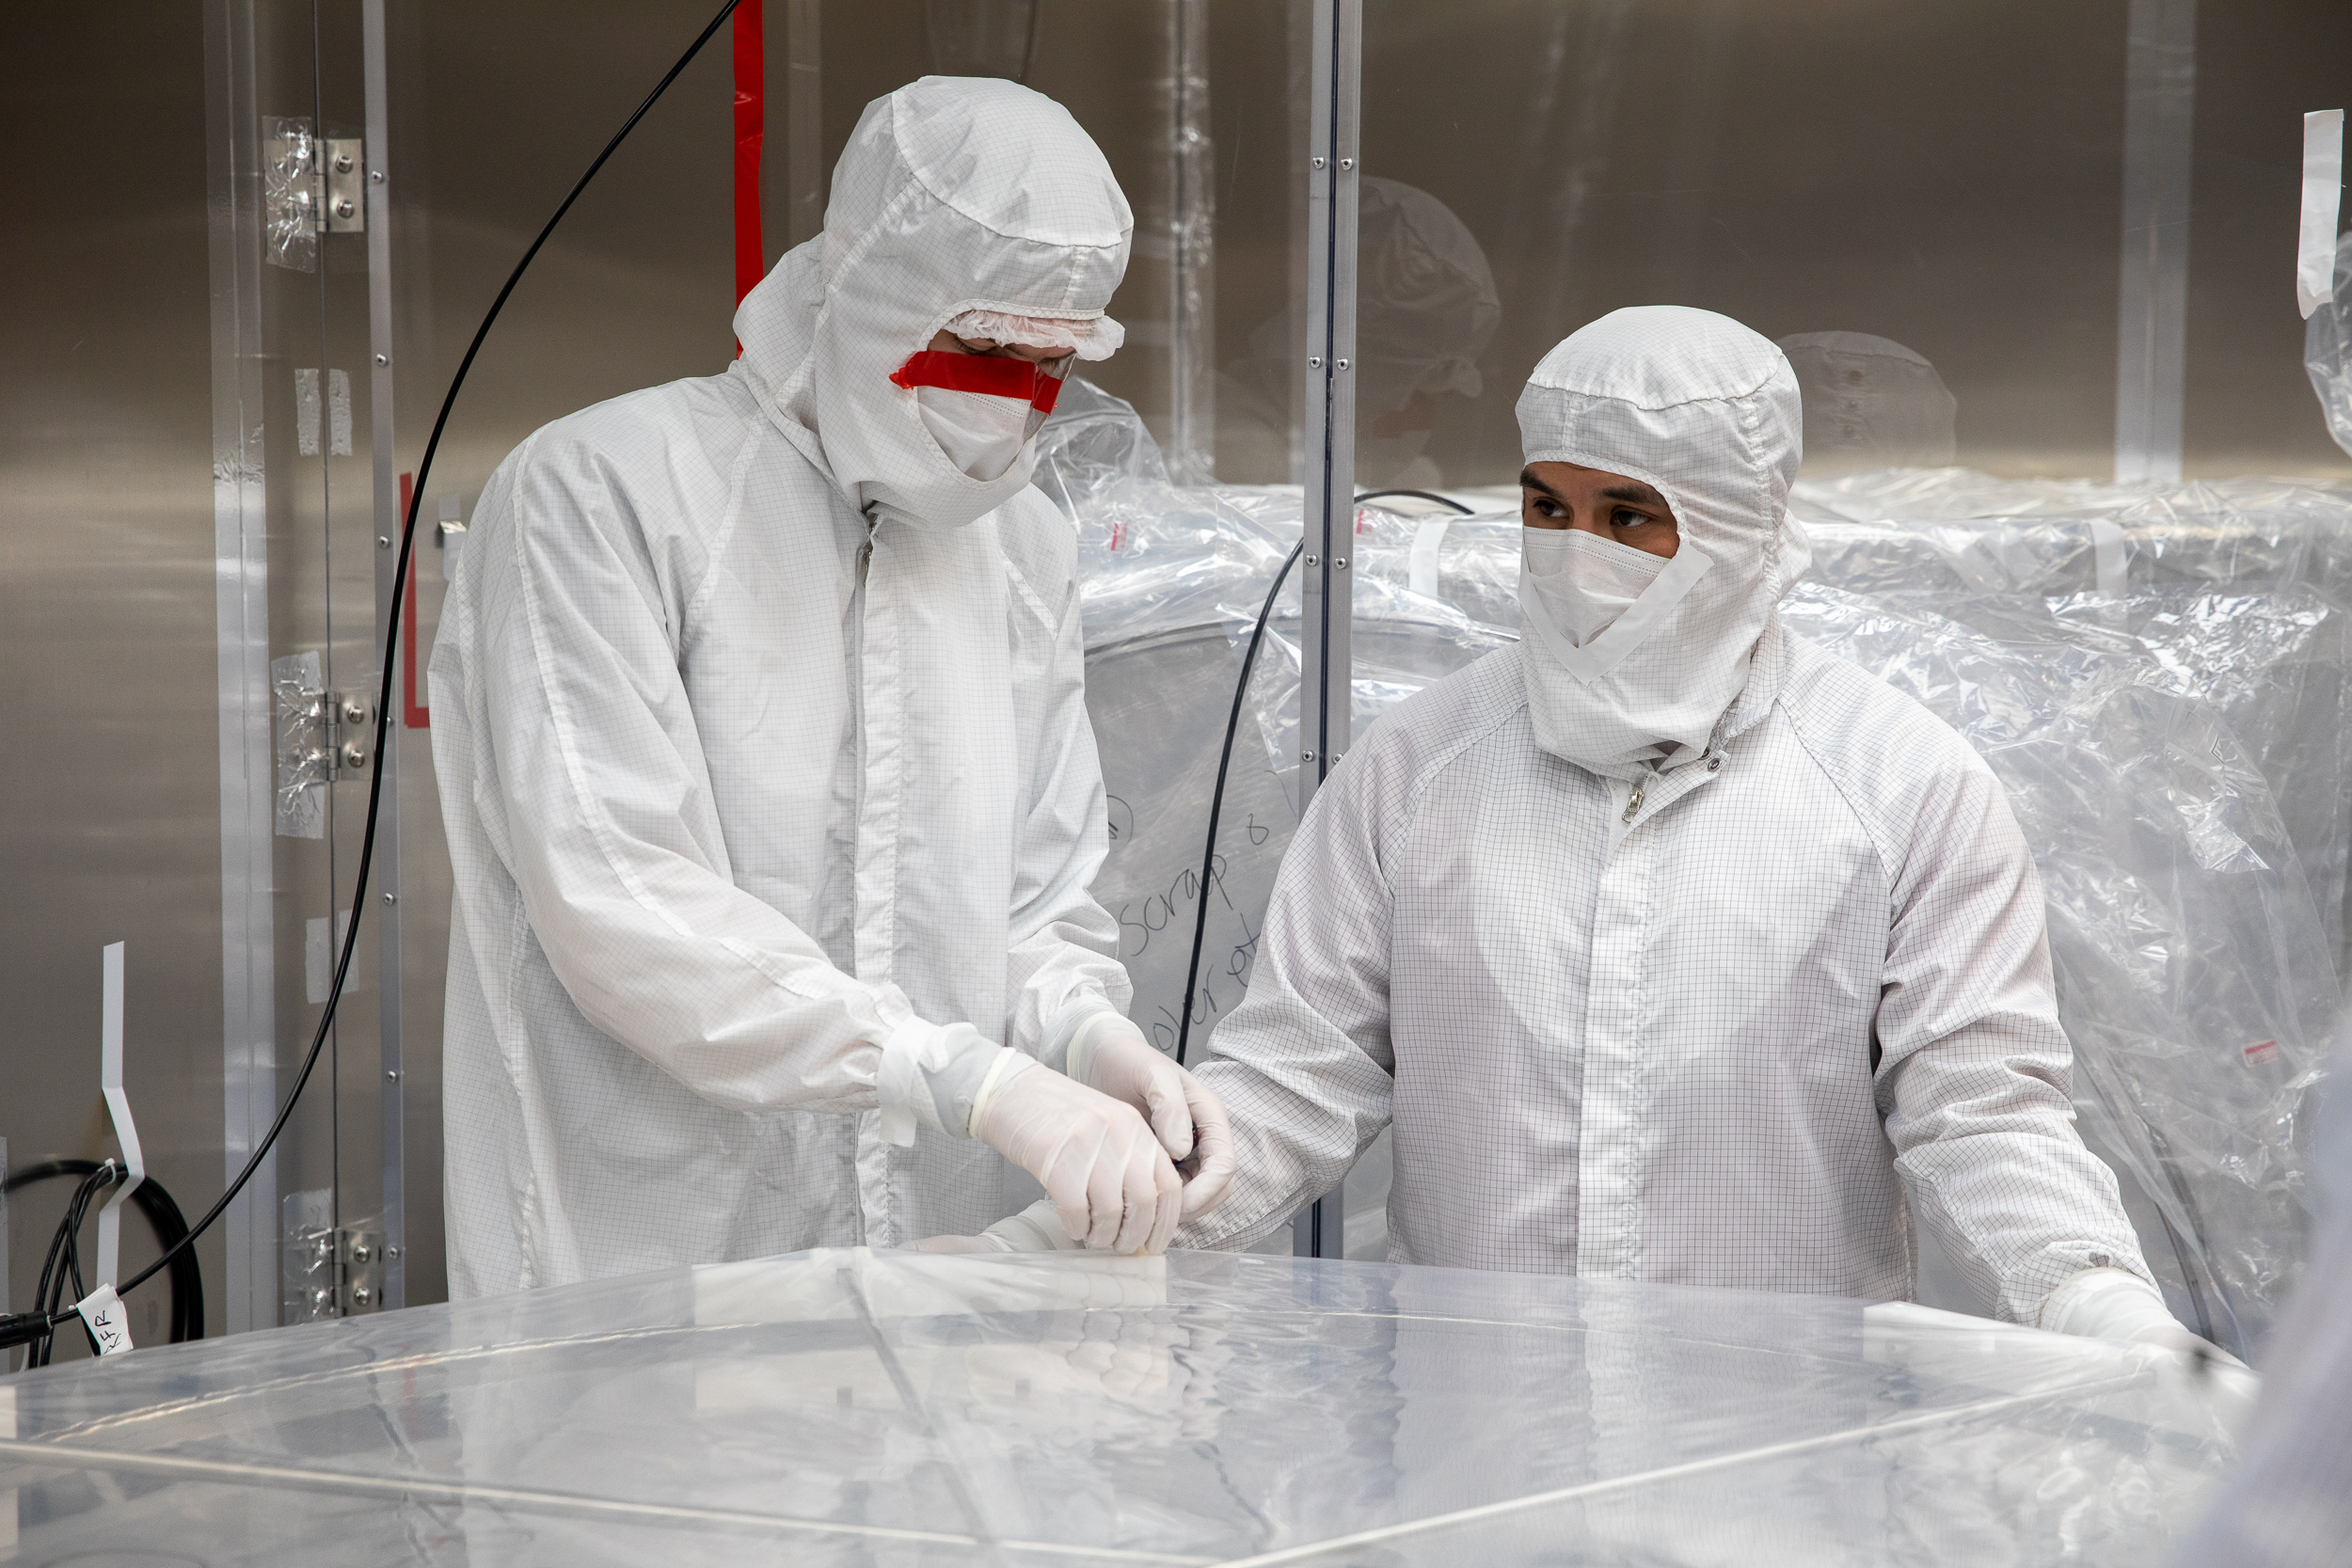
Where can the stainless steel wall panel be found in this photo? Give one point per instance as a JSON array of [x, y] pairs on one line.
[[110, 796]]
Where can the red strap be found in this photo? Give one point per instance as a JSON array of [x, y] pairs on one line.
[[414, 716], [750, 124], [992, 373]]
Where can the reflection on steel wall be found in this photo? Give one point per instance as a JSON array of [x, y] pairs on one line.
[[1956, 177], [109, 824]]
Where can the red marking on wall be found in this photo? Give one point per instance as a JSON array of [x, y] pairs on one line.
[[2262, 1055], [410, 714], [751, 129]]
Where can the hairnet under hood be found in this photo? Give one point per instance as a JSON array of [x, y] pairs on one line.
[[953, 195], [1707, 412]]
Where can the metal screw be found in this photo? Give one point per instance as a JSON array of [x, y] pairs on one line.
[[1315, 361], [392, 1074], [1306, 756], [343, 208], [360, 1295], [383, 541], [354, 710], [383, 358], [1339, 563], [354, 755], [360, 1252], [1314, 561], [375, 176], [1347, 163], [1318, 163], [1341, 363], [391, 899], [342, 163], [392, 1252]]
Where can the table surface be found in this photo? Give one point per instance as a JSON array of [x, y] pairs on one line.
[[861, 1407]]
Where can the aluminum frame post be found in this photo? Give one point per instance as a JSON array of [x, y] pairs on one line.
[[248, 708], [385, 473], [1325, 691], [2152, 326]]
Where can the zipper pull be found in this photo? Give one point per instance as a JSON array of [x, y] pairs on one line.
[[1633, 807]]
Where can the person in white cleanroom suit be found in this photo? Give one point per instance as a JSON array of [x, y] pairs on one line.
[[764, 756], [1673, 948]]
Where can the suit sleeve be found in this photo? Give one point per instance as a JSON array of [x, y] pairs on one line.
[[1976, 1071], [1063, 961], [610, 830], [1304, 1065]]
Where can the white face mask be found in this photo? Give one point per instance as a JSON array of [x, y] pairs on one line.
[[1582, 582], [982, 433]]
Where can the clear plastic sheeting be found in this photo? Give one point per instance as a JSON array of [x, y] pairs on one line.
[[2159, 674], [2328, 350], [857, 1407], [2234, 589]]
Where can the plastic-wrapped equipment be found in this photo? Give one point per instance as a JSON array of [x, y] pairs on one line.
[[857, 1407], [2160, 676]]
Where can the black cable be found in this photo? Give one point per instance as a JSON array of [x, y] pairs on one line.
[[162, 1212], [1418, 494], [63, 1265], [1216, 799], [9, 1327], [1224, 758]]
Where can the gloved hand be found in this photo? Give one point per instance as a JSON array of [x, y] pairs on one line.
[[1036, 1228], [2115, 1304], [1111, 1183], [1110, 1054]]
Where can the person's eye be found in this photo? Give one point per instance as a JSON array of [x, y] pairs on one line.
[[1625, 516]]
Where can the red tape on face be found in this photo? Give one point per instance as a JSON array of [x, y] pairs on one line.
[[991, 374]]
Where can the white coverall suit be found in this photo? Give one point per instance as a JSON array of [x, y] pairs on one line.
[[764, 754], [1690, 953]]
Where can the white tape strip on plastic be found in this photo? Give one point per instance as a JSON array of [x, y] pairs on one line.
[[2111, 558], [126, 1132], [1420, 569], [2323, 200]]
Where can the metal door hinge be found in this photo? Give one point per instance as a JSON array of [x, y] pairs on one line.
[[333, 1271], [311, 186], [343, 204], [322, 735]]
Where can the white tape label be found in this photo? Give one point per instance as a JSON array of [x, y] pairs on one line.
[[2323, 198], [109, 1320]]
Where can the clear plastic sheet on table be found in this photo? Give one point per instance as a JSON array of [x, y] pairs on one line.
[[2158, 673], [851, 1406]]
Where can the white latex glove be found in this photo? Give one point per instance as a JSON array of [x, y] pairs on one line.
[[2114, 1303], [1110, 1054], [1111, 1183]]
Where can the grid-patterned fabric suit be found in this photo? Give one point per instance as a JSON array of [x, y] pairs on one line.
[[745, 792], [1687, 953], [1654, 1062]]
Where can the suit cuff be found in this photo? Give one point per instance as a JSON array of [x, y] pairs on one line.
[[1076, 1015], [929, 1076]]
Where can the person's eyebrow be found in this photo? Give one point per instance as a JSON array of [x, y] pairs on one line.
[[1640, 495], [1529, 480]]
